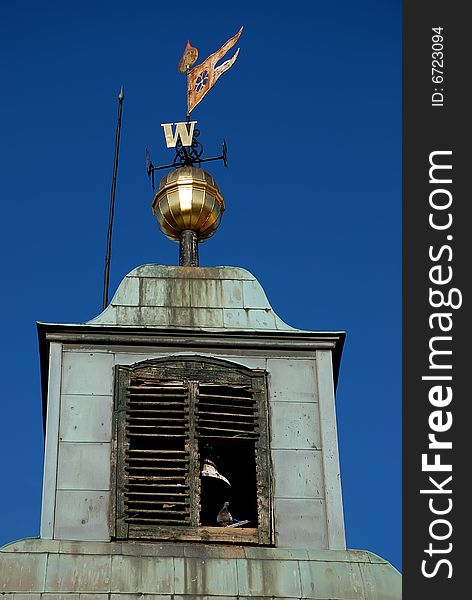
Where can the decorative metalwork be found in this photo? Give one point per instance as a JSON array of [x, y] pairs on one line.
[[202, 77], [186, 156]]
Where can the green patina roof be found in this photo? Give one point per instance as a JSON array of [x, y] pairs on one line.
[[166, 571], [191, 298]]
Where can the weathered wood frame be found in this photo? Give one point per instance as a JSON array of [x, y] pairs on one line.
[[194, 369]]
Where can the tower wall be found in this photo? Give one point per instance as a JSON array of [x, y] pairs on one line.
[[220, 313], [76, 499]]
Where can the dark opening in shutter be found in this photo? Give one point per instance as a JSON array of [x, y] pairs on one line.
[[227, 429]]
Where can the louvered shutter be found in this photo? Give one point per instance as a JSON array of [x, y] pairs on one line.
[[157, 490], [166, 411], [226, 411]]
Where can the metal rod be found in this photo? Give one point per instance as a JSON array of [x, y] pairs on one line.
[[163, 167], [188, 96], [215, 158], [188, 255], [200, 160], [112, 201]]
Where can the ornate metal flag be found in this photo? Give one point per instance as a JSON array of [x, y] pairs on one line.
[[204, 76]]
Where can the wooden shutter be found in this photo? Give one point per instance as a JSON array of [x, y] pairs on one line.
[[166, 410], [226, 411], [157, 490]]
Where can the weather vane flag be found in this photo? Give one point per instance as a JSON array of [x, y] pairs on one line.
[[203, 77], [183, 135]]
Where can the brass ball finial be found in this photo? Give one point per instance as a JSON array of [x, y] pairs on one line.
[[188, 199]]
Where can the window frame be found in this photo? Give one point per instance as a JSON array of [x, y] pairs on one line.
[[201, 369]]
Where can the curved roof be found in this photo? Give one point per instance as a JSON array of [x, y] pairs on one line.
[[191, 298]]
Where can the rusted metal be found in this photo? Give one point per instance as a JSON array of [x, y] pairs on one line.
[[203, 77], [189, 56], [188, 255]]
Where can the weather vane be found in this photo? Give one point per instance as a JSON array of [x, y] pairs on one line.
[[183, 136]]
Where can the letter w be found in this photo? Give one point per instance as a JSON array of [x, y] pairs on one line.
[[181, 130]]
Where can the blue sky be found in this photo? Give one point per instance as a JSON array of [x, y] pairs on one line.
[[311, 112]]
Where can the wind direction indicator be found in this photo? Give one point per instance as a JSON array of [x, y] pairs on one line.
[[186, 156], [183, 136], [188, 203], [121, 97], [203, 77]]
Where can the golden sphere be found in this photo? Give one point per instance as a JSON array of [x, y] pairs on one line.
[[188, 198]]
